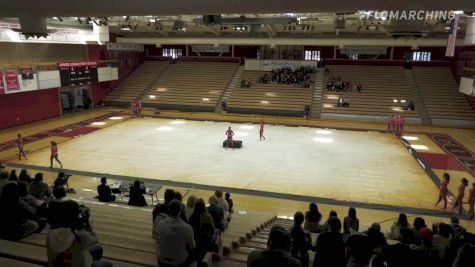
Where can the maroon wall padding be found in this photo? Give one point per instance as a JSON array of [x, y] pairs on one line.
[[27, 107]]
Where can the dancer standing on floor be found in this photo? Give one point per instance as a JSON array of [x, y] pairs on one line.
[[443, 189], [390, 124], [229, 134], [139, 109], [458, 205], [54, 154], [403, 122], [133, 106], [19, 143], [471, 202], [261, 131]]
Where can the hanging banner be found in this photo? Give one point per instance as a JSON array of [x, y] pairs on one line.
[[11, 78], [2, 87], [210, 48], [364, 50]]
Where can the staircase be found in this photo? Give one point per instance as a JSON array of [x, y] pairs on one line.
[[417, 98], [316, 108], [235, 82]]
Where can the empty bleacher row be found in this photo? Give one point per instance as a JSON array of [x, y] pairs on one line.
[[269, 98], [380, 87], [193, 86], [134, 85], [440, 93]]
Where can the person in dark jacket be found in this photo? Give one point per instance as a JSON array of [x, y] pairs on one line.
[[329, 248], [136, 197], [300, 240], [104, 191]]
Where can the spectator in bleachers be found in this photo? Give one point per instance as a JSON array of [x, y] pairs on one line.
[[217, 213], [203, 229], [418, 224], [3, 180], [179, 197], [25, 195], [56, 207], [377, 239], [174, 239], [136, 197], [190, 206], [13, 176], [312, 219], [24, 176], [402, 222], [16, 222], [471, 202], [300, 240], [228, 198], [104, 191], [351, 223], [359, 250], [443, 235], [97, 261], [169, 195], [465, 256], [428, 253], [458, 230], [223, 204], [401, 254], [39, 189], [69, 242], [277, 251], [329, 248], [326, 226]]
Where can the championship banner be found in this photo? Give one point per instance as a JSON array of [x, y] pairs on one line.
[[11, 78], [2, 86], [210, 48]]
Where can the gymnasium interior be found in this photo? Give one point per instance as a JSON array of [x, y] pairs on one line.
[[349, 105]]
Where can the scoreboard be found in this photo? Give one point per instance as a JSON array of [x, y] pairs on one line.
[[77, 73]]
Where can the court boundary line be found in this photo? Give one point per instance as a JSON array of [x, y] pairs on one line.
[[258, 193]]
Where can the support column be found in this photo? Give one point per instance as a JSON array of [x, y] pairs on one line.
[[334, 52], [232, 50], [187, 50], [391, 53], [470, 31]]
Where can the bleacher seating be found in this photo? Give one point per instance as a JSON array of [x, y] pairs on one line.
[[380, 87], [193, 86], [440, 93], [134, 85], [270, 98]]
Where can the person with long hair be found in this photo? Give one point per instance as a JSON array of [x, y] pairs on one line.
[[13, 177], [24, 176], [351, 223], [471, 202], [21, 151], [300, 240], [203, 229], [443, 190], [401, 223], [458, 205], [54, 154], [312, 219]]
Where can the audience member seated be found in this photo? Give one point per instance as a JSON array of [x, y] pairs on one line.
[[3, 180], [25, 195], [61, 180], [443, 235], [228, 198], [24, 176], [179, 197], [336, 84], [376, 237], [359, 250], [408, 105], [397, 226], [17, 219], [401, 254], [428, 253], [97, 261], [13, 177], [190, 206], [351, 224], [329, 248], [300, 240], [343, 102], [136, 197], [299, 76], [312, 219], [203, 229], [71, 239], [104, 191], [39, 189], [223, 204], [217, 213], [465, 256], [245, 84], [56, 207], [326, 226], [277, 253], [175, 239], [169, 195], [417, 225]]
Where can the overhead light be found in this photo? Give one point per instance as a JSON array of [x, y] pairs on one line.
[[458, 12]]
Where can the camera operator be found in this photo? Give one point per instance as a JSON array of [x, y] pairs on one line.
[[70, 236]]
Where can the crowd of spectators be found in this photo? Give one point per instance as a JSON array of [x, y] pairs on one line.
[[340, 245], [337, 84]]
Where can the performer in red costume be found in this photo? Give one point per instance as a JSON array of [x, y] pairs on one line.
[[458, 205], [443, 190], [139, 109], [229, 134], [261, 131], [54, 154], [19, 143]]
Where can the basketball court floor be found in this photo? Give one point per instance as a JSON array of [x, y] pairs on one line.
[[360, 166]]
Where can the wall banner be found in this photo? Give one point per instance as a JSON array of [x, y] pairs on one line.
[[12, 82]]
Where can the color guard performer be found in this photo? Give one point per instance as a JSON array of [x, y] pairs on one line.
[[21, 151], [229, 134]]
